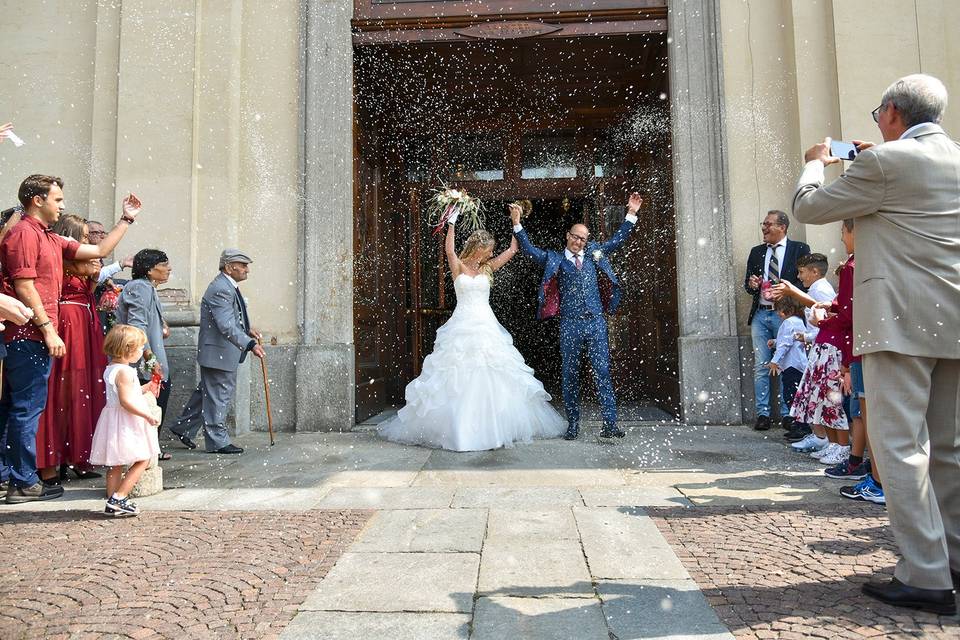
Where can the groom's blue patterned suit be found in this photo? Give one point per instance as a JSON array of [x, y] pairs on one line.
[[580, 297]]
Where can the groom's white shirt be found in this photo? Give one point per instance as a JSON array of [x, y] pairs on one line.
[[632, 219]]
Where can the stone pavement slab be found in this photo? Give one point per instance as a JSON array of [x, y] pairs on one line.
[[388, 498], [535, 498], [499, 618], [534, 568], [266, 498], [674, 609], [438, 530], [625, 496], [435, 582], [343, 625], [558, 524], [623, 543]]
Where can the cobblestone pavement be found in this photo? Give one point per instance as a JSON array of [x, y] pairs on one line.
[[795, 572], [230, 574]]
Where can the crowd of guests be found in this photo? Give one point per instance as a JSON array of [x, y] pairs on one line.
[[802, 331], [889, 334], [85, 376]]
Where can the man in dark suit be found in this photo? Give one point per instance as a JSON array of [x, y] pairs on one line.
[[580, 286], [769, 263]]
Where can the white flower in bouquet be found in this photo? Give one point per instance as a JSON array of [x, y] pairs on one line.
[[449, 203], [597, 255]]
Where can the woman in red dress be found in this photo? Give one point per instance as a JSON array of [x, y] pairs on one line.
[[76, 393]]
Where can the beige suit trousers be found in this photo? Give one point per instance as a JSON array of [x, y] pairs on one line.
[[914, 429]]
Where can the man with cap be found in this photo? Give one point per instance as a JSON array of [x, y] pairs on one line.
[[224, 340]]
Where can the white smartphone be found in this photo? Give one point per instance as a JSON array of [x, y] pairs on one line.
[[843, 150]]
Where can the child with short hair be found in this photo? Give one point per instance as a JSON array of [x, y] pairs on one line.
[[789, 359], [812, 272], [125, 433]]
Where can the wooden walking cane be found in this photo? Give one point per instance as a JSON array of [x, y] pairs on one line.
[[266, 392]]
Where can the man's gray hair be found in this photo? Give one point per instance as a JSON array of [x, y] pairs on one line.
[[918, 97], [782, 219]]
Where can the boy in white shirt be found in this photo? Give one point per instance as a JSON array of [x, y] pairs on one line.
[[811, 270]]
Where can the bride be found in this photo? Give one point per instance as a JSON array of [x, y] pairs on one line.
[[475, 391]]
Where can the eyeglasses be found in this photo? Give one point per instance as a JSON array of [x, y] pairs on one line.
[[576, 237], [876, 114], [765, 225], [97, 233]]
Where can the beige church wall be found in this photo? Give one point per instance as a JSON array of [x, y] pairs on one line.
[[191, 104], [761, 122], [47, 78], [798, 70]]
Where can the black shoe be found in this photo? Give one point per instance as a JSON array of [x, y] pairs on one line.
[[786, 423], [939, 601], [186, 441], [763, 423], [572, 432], [81, 475], [230, 448], [798, 432], [39, 491], [612, 432]]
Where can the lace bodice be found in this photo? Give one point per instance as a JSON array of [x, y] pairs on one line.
[[472, 291]]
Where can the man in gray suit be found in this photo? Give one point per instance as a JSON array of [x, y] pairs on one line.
[[225, 338], [905, 194]]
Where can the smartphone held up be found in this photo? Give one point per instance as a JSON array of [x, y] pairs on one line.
[[843, 150]]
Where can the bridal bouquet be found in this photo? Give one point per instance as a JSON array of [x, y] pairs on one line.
[[446, 203]]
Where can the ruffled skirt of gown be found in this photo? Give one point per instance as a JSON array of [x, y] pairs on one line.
[[475, 391]]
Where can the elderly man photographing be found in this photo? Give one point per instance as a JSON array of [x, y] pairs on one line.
[[905, 194], [224, 340]]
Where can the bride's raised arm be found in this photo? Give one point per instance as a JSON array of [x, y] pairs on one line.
[[504, 257], [449, 246]]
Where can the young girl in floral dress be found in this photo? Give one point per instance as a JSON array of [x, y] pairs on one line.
[[819, 399]]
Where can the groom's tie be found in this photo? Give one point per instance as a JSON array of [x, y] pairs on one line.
[[579, 262], [773, 270]]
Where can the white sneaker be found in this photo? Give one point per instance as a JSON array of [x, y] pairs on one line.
[[827, 450], [839, 454], [811, 442]]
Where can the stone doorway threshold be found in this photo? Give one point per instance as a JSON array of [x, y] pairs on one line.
[[631, 414]]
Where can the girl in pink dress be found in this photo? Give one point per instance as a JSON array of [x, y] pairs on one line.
[[125, 433]]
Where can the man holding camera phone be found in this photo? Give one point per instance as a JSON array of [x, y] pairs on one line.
[[904, 194]]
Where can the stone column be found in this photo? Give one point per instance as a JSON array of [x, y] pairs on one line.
[[709, 347], [325, 361]]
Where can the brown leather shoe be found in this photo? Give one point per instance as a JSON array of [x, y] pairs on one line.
[[939, 601]]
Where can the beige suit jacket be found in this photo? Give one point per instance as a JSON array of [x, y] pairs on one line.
[[905, 195]]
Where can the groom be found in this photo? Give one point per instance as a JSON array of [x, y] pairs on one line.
[[579, 285]]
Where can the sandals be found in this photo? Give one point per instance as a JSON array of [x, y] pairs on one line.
[[164, 456]]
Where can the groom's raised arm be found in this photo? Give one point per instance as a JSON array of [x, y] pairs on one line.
[[633, 206], [520, 234]]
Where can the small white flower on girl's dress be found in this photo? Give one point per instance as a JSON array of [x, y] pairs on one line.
[[597, 255]]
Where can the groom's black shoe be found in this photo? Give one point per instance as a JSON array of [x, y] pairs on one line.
[[612, 432], [572, 432], [939, 601]]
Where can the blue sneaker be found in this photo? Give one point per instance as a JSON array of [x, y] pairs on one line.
[[866, 490]]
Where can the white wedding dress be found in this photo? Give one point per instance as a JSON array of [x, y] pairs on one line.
[[475, 391]]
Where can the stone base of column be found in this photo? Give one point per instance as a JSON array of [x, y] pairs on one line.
[[710, 380], [325, 387], [150, 483]]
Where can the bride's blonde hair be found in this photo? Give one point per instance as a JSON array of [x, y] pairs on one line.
[[479, 239]]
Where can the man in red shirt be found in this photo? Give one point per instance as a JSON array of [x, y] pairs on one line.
[[32, 258]]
